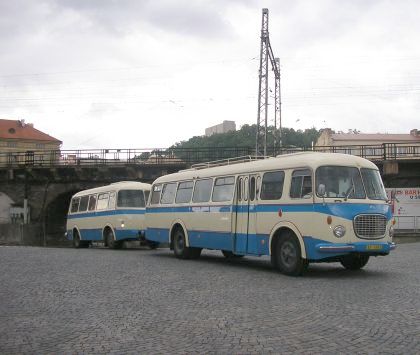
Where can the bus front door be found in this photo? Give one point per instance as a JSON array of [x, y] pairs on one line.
[[245, 216]]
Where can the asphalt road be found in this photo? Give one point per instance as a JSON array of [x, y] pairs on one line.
[[142, 301]]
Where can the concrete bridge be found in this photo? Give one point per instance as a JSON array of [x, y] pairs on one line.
[[48, 179]]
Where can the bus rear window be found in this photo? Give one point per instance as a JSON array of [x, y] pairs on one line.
[[130, 198]]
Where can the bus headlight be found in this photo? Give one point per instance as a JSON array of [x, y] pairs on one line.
[[391, 231], [339, 231]]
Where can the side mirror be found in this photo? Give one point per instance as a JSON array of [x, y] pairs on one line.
[[321, 190]]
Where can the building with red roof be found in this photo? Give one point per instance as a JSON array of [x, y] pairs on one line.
[[21, 141]]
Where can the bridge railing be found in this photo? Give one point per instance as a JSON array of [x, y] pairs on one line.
[[188, 156], [378, 152]]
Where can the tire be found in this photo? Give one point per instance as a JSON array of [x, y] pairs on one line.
[[110, 241], [288, 256], [77, 243], [230, 255], [354, 261], [181, 251]]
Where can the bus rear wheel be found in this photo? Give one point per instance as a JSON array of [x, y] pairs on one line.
[[354, 261], [287, 256], [181, 250]]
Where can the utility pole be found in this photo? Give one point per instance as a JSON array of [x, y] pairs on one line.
[[266, 53]]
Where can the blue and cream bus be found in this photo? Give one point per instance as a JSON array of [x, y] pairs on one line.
[[297, 208], [110, 214]]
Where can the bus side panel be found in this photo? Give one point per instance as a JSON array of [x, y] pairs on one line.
[[210, 227]]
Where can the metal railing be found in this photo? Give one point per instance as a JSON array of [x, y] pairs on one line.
[[189, 156], [379, 152]]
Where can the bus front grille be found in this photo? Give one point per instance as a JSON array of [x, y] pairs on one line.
[[370, 226]]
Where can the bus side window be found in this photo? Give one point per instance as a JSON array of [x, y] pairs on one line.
[[146, 195], [111, 202], [223, 189], [74, 207], [246, 189], [272, 185], [83, 203], [252, 188], [184, 193], [240, 181], [301, 186], [92, 202], [258, 187], [168, 193], [155, 194], [102, 201], [202, 190]]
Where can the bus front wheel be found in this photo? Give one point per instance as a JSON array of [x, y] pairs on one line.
[[111, 243], [354, 262], [77, 242], [181, 250], [287, 256]]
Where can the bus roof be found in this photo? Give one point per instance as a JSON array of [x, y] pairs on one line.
[[122, 185], [287, 161]]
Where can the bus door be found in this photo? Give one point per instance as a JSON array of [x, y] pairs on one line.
[[245, 218]]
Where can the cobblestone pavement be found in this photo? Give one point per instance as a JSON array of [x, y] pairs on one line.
[[142, 301]]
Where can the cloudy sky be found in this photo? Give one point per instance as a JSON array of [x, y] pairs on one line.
[[149, 73]]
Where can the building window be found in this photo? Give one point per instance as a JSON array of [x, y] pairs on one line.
[[12, 144], [40, 146]]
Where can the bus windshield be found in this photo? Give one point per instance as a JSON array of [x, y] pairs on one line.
[[340, 182], [373, 184]]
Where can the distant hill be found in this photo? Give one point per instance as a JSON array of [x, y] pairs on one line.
[[245, 137]]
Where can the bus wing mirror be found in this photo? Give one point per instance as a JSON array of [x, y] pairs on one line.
[[321, 190]]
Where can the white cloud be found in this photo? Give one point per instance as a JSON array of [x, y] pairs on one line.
[[142, 74]]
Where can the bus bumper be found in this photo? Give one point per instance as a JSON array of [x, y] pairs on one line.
[[359, 247], [317, 249]]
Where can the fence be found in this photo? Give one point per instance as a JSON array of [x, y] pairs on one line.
[[188, 156]]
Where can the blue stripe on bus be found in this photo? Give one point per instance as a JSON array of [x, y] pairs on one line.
[[344, 210], [160, 235], [95, 234], [105, 213], [256, 244]]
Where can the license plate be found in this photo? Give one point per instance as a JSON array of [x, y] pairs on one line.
[[374, 247]]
